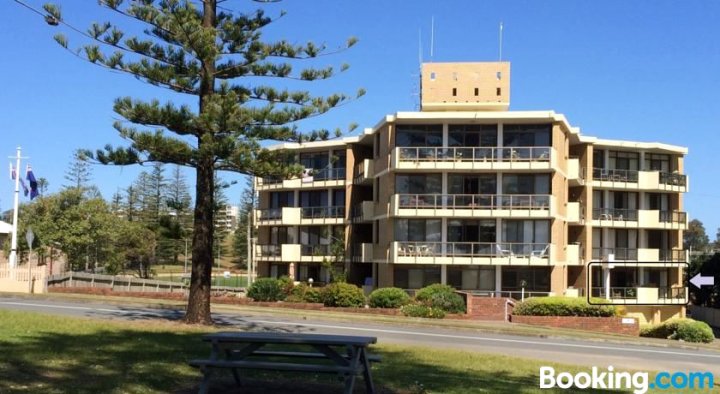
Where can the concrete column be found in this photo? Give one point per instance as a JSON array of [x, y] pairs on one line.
[[443, 236], [498, 278], [606, 274], [445, 135], [500, 135], [641, 164], [443, 274], [291, 271]]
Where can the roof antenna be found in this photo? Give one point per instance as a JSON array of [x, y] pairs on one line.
[[432, 37], [500, 46]]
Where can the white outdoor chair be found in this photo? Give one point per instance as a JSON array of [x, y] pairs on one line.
[[540, 253], [502, 252]]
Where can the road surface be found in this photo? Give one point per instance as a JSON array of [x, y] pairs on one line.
[[568, 351]]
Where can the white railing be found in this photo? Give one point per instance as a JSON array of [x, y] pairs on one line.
[[475, 154], [474, 201]]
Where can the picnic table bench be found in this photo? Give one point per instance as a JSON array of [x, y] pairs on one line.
[[344, 355]]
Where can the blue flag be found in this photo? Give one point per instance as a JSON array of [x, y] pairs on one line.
[[33, 183]]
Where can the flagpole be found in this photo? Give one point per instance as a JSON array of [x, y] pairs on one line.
[[13, 247]]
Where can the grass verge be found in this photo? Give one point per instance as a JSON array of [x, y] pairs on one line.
[[50, 354]]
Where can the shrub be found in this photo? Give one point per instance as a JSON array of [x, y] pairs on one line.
[[441, 297], [305, 293], [294, 298], [343, 295], [388, 297], [421, 310], [688, 330], [266, 289], [313, 294], [563, 306], [286, 284]]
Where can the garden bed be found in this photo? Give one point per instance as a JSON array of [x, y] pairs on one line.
[[607, 325]]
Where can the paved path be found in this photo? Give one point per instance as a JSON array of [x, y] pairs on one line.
[[580, 352]]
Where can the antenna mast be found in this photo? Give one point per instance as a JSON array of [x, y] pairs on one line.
[[500, 46], [432, 37]]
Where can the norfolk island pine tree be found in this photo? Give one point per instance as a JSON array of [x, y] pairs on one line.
[[196, 50]]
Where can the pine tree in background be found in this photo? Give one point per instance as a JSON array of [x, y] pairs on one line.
[[179, 203], [43, 185], [220, 213], [131, 204], [247, 205], [78, 173], [220, 59]]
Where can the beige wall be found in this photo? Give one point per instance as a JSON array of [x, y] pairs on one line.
[[439, 80]]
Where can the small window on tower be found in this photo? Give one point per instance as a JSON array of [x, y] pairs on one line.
[[498, 92], [432, 76], [454, 91], [477, 91]]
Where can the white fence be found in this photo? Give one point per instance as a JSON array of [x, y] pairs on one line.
[[23, 279], [125, 283]]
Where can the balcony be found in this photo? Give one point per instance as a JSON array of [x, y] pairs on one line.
[[645, 255], [324, 178], [471, 253], [667, 295], [615, 217], [286, 253], [478, 158], [575, 174], [643, 180], [574, 254], [322, 215], [639, 218], [473, 205], [364, 172], [575, 213], [364, 212], [363, 253], [316, 253]]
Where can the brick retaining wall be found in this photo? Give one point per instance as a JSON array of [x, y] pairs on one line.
[[607, 325]]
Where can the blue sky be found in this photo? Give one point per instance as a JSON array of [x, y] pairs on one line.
[[643, 70]]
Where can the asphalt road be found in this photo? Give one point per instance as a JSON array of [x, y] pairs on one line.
[[578, 352]]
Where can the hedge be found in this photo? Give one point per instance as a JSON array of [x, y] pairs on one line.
[[343, 295], [421, 310], [266, 289], [687, 330], [388, 297], [563, 306], [441, 297]]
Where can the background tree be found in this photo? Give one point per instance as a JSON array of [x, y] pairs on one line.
[[695, 238], [79, 173], [219, 58], [245, 212], [43, 185]]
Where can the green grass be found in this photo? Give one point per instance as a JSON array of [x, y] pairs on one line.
[[50, 354]]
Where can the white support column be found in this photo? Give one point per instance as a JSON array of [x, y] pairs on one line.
[[445, 134], [498, 278], [606, 272], [13, 243], [443, 274], [641, 164]]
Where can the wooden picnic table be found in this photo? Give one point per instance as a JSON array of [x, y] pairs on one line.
[[344, 355]]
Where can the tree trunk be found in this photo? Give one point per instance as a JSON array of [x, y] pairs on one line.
[[198, 309]]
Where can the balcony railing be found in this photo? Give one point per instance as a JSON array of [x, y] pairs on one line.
[[477, 154], [619, 253], [673, 255], [322, 212], [271, 180], [673, 179], [269, 250], [616, 293], [328, 174], [271, 214], [673, 217], [615, 214], [314, 250], [601, 174], [474, 201], [672, 293], [472, 249]]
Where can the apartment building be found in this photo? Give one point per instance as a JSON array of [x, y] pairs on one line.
[[497, 202]]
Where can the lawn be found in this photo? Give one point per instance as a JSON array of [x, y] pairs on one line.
[[49, 354]]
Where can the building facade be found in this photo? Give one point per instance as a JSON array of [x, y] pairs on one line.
[[467, 193]]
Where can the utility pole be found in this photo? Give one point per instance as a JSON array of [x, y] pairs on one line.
[[13, 242]]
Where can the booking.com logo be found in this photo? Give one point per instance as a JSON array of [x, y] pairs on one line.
[[639, 382]]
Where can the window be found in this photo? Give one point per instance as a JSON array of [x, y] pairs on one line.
[[472, 135], [418, 184], [657, 162], [338, 196], [418, 230], [526, 184], [526, 231], [316, 160], [471, 278], [534, 278], [624, 160], [416, 277], [471, 231], [454, 92], [526, 135], [432, 76], [280, 236], [472, 184], [477, 91], [339, 159], [314, 198], [314, 235], [418, 135], [598, 158], [282, 199], [498, 92]]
